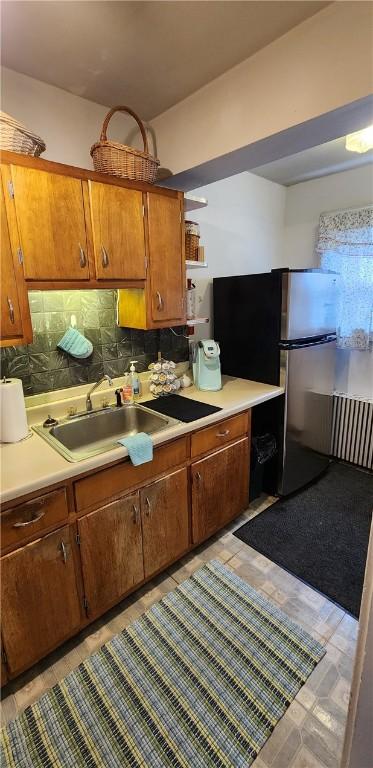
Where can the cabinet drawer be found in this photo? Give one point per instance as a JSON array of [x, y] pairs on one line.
[[107, 483], [33, 516], [219, 434]]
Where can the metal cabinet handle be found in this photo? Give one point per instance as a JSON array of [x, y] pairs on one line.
[[29, 522], [147, 501], [198, 476], [11, 309], [64, 552], [135, 513], [223, 434], [35, 504], [82, 257], [160, 302], [105, 257]]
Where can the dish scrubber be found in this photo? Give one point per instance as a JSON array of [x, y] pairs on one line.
[[139, 447], [75, 344]]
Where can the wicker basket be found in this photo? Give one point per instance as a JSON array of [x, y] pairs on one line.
[[15, 137], [191, 240], [119, 160]]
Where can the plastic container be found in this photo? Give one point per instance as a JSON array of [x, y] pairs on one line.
[[127, 395], [135, 381], [263, 449], [191, 300]]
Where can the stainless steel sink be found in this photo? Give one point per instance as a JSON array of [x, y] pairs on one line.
[[91, 433]]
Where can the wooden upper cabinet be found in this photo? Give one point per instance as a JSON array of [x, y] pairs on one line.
[[165, 521], [117, 216], [11, 320], [111, 552], [219, 489], [51, 224], [39, 597], [15, 321], [166, 254]]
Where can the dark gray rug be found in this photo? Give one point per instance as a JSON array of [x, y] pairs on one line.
[[320, 534]]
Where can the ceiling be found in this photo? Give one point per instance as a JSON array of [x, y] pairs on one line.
[[313, 163], [149, 55]]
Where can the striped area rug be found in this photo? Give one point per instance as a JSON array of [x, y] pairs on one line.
[[201, 679]]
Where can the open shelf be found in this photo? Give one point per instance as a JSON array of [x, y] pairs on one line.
[[192, 203], [195, 264], [197, 321]]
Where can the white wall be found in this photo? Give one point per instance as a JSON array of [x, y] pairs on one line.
[[68, 124], [319, 66], [304, 203], [254, 225], [241, 229]]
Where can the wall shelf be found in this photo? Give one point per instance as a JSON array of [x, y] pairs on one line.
[[192, 203], [197, 321], [195, 264]]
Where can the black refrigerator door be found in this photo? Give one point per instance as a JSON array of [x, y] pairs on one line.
[[247, 325]]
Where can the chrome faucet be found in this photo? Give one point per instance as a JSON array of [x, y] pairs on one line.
[[88, 401]]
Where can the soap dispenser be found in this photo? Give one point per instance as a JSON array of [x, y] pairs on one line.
[[135, 381]]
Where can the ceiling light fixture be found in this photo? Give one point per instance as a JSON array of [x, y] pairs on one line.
[[360, 141]]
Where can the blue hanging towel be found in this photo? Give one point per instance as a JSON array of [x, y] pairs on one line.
[[139, 447], [75, 344]]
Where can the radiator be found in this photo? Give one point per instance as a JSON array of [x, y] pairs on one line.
[[352, 432]]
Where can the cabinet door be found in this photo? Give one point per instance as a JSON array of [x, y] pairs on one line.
[[40, 601], [4, 671], [166, 252], [118, 232], [11, 320], [111, 552], [219, 489], [51, 223], [165, 521]]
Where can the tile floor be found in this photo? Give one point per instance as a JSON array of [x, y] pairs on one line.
[[310, 735]]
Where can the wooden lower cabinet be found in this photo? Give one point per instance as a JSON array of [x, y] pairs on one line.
[[111, 552], [121, 544], [165, 521], [40, 600], [219, 489], [3, 669]]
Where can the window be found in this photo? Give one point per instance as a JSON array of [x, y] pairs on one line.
[[345, 245]]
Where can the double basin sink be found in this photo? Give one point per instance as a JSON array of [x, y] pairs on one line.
[[88, 434]]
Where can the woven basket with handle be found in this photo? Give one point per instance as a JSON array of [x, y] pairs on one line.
[[191, 240], [119, 159], [15, 137]]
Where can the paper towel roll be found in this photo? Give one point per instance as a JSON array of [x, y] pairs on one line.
[[13, 420]]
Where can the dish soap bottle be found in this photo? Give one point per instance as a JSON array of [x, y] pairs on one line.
[[135, 381], [127, 395]]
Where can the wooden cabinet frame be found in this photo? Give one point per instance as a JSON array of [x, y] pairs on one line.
[[177, 462], [25, 337], [139, 291]]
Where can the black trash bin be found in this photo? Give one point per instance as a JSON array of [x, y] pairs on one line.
[[263, 448]]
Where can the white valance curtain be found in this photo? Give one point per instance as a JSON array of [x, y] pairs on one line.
[[345, 245]]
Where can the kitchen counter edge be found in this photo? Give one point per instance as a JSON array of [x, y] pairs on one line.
[[55, 469]]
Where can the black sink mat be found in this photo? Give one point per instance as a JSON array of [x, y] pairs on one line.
[[181, 408]]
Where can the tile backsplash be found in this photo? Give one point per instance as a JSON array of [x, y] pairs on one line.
[[42, 367]]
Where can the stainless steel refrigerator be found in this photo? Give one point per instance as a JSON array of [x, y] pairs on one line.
[[279, 328]]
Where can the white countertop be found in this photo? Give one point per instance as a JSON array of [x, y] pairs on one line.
[[33, 464]]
